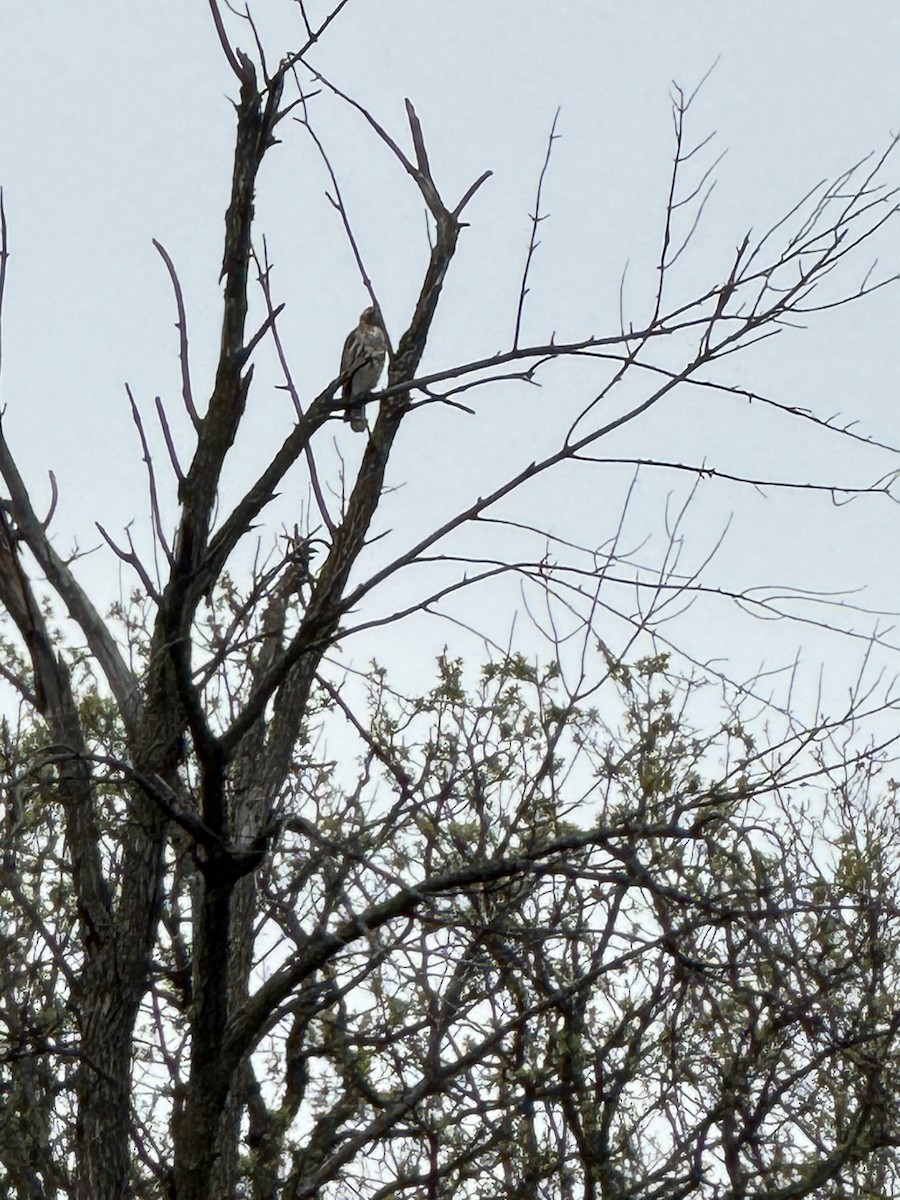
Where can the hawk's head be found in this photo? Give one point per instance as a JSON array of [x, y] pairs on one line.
[[371, 316]]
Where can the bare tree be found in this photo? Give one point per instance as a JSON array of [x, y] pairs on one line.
[[534, 934]]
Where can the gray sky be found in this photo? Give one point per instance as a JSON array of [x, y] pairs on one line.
[[118, 130]]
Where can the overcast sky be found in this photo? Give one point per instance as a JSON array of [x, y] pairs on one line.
[[117, 129]]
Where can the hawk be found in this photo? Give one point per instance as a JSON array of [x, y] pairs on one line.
[[361, 365]]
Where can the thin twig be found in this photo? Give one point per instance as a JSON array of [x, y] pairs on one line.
[[536, 219], [263, 272], [224, 42], [170, 444], [131, 558], [337, 202], [267, 324], [181, 325], [54, 497], [148, 460]]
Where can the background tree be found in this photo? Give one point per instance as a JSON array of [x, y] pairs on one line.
[[274, 928]]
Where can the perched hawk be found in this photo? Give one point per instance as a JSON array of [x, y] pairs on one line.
[[361, 365]]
